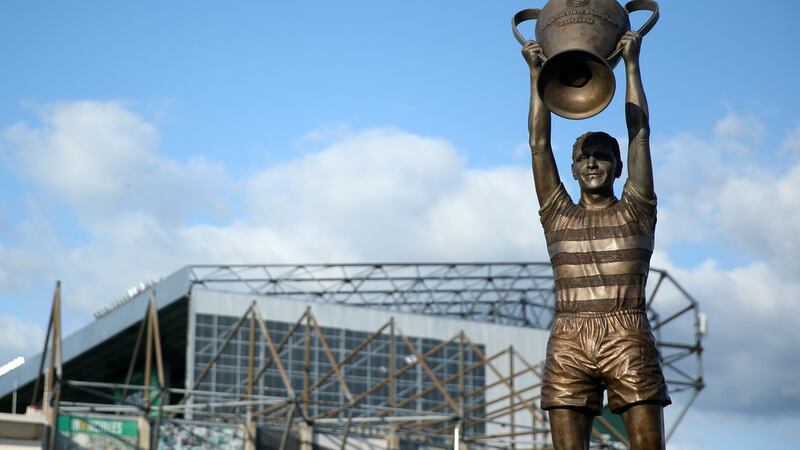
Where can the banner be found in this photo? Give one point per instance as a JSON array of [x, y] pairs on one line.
[[88, 432]]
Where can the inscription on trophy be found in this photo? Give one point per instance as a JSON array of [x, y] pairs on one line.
[[572, 20], [565, 17]]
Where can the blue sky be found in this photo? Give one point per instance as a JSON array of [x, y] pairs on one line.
[[138, 137]]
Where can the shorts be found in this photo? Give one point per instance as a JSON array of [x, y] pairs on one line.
[[589, 352]]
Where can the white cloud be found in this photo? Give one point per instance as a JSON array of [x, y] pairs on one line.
[[736, 128], [18, 338], [791, 144], [390, 194], [15, 265], [748, 209], [85, 150], [342, 185], [102, 158], [707, 193], [750, 359], [762, 216], [378, 194], [737, 431], [689, 175]]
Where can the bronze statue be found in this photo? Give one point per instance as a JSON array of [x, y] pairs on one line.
[[600, 250]]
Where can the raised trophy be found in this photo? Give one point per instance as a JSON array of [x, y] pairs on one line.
[[579, 41]]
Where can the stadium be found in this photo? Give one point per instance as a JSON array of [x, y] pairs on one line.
[[356, 356]]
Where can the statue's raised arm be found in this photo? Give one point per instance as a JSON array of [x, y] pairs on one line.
[[637, 116], [545, 172]]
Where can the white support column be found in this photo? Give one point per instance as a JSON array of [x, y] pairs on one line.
[[144, 434], [392, 440], [306, 437]]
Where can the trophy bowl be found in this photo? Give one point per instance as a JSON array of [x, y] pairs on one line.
[[579, 41]]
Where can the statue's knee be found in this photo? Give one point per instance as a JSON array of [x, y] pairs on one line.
[[569, 439], [647, 441], [569, 444]]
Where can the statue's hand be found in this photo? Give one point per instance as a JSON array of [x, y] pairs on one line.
[[630, 43], [532, 53]]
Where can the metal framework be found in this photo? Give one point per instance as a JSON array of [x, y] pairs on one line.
[[513, 293], [395, 418], [508, 293]]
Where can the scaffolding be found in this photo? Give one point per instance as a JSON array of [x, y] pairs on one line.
[[500, 414]]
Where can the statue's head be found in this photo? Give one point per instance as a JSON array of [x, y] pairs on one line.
[[596, 162]]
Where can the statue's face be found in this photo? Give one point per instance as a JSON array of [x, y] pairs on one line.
[[595, 168]]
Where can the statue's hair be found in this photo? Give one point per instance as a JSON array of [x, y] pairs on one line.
[[598, 138]]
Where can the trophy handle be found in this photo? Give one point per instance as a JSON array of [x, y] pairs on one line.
[[639, 5], [524, 16]]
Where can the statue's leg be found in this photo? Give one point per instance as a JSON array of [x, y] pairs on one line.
[[571, 390], [631, 370], [645, 425], [570, 428]]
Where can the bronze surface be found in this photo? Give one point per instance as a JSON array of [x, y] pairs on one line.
[[599, 247]]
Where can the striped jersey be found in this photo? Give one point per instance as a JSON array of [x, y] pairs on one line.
[[600, 257]]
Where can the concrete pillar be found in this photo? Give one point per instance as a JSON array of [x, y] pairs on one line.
[[392, 439], [306, 437], [144, 433]]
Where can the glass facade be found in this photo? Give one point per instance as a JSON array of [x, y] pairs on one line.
[[368, 368]]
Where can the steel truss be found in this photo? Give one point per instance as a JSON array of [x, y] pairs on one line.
[[513, 293], [509, 293], [515, 392]]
